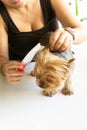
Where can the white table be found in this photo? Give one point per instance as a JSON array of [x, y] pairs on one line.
[[22, 107]]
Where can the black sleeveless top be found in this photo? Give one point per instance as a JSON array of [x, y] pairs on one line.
[[21, 42]]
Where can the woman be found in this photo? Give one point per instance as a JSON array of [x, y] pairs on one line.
[[24, 22]]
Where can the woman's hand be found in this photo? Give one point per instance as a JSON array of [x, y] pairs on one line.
[[60, 40], [12, 73]]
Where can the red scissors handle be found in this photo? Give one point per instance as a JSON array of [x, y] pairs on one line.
[[22, 67]]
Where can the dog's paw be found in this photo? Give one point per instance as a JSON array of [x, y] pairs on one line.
[[49, 93], [67, 91]]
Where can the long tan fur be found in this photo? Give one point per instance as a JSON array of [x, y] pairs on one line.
[[52, 72]]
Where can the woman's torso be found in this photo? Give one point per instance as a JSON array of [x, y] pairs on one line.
[[24, 36]]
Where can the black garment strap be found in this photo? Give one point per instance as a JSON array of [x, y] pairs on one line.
[[47, 10], [6, 18]]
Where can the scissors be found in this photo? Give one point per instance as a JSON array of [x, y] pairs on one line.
[[28, 58]]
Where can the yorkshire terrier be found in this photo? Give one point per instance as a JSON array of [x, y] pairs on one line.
[[53, 69]]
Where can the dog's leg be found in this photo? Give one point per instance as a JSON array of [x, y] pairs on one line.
[[32, 73], [67, 90], [49, 92]]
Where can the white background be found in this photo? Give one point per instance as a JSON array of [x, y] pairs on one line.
[[22, 107]]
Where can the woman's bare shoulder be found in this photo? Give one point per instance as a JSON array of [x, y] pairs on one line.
[[3, 31], [2, 24], [64, 13]]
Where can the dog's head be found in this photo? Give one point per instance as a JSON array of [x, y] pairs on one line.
[[50, 70]]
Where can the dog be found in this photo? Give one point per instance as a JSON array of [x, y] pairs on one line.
[[53, 70]]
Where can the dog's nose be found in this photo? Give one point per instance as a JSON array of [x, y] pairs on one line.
[[40, 86]]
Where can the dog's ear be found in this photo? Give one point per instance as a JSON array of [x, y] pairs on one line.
[[70, 62], [44, 40]]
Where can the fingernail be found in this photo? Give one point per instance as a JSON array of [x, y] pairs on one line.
[[51, 49], [24, 64], [22, 67]]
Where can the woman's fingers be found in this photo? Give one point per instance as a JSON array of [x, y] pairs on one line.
[[60, 40], [53, 39], [66, 45], [12, 73]]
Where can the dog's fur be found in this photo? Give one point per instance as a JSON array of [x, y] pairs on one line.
[[53, 71]]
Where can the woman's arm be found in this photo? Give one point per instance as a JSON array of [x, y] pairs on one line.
[[3, 42], [68, 19], [8, 68]]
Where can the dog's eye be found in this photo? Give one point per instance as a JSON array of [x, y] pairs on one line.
[[49, 80], [38, 76]]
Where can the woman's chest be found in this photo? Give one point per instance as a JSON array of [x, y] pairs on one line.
[[28, 20]]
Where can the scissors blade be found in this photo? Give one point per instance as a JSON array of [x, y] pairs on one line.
[[28, 58], [31, 54]]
